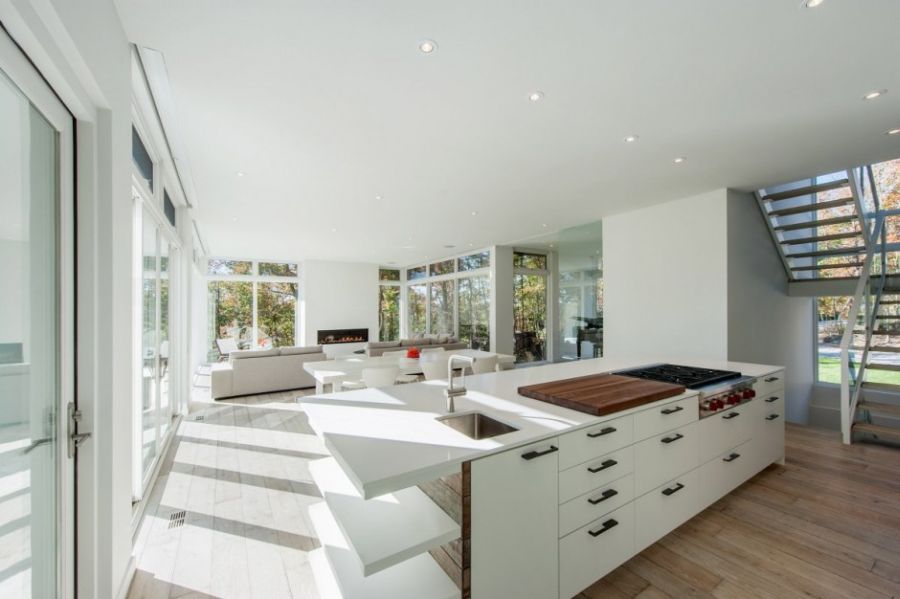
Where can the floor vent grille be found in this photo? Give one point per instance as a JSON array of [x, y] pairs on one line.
[[198, 418], [176, 519]]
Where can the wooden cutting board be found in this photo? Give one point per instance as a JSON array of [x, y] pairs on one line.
[[601, 394]]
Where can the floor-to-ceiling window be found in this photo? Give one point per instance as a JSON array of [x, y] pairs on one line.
[[251, 304], [388, 304], [530, 306]]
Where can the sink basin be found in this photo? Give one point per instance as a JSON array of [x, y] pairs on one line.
[[476, 425]]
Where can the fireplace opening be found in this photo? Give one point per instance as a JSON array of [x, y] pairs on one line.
[[332, 336]]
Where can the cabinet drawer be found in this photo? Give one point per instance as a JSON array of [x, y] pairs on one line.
[[771, 438], [589, 443], [769, 383], [664, 418], [664, 508], [724, 473], [593, 551], [595, 473], [721, 432], [664, 457], [594, 504]]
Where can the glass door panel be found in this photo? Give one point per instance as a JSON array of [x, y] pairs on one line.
[[165, 317], [32, 463], [530, 317], [149, 354]]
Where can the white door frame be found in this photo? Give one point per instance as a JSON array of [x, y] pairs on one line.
[[18, 68]]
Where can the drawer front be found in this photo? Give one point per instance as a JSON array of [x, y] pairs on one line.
[[665, 508], [592, 442], [664, 457], [593, 551], [725, 472], [769, 383], [771, 440], [595, 473], [594, 504], [721, 432], [660, 419]]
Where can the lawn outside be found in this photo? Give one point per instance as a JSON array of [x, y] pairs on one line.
[[830, 372]]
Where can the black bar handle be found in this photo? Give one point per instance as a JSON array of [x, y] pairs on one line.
[[611, 523], [771, 399], [668, 440], [536, 454], [668, 411], [603, 496], [603, 466], [601, 432], [672, 490], [771, 416], [771, 379], [731, 415], [732, 457]]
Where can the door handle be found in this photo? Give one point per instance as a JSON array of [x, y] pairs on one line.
[[732, 457], [75, 438], [603, 466], [611, 523], [600, 433], [771, 399], [672, 490], [672, 439], [731, 415], [771, 379], [536, 454], [35, 444], [603, 496], [771, 416], [668, 411]]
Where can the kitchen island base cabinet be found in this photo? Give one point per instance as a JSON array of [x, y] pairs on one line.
[[514, 523], [595, 550], [664, 509]]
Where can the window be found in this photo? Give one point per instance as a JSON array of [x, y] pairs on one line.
[[276, 306], [388, 274], [388, 312], [149, 355], [168, 208], [474, 261], [475, 311], [529, 261], [530, 315], [444, 267], [230, 314], [219, 266], [419, 272], [417, 300], [142, 161], [443, 294], [277, 269]]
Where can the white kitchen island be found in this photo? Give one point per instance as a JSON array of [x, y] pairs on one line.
[[414, 508]]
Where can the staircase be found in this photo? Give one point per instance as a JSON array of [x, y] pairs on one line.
[[831, 229]]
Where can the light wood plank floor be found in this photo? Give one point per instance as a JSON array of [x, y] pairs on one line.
[[827, 524]]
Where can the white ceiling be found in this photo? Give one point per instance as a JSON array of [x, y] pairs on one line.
[[326, 105]]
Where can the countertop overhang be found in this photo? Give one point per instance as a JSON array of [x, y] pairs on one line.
[[389, 438]]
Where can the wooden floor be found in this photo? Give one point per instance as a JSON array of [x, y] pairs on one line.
[[827, 524]]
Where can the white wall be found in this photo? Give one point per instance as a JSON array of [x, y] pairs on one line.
[[665, 285], [338, 295], [765, 325]]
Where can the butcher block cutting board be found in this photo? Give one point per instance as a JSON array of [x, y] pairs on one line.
[[601, 394]]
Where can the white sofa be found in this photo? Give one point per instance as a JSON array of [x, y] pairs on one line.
[[377, 348], [262, 371]]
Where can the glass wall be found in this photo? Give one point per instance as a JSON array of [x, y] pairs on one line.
[[417, 302], [252, 304], [475, 311], [580, 332], [530, 317], [389, 304], [443, 298]]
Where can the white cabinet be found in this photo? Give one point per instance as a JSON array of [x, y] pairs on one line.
[[595, 473], [720, 432], [586, 444], [724, 473], [770, 436], [582, 509], [593, 551], [514, 523], [664, 457], [664, 508], [770, 383], [663, 418]]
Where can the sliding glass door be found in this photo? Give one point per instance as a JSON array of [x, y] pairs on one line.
[[36, 334]]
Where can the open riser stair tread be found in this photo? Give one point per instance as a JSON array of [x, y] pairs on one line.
[[884, 409], [881, 387], [812, 207], [859, 249], [806, 190], [832, 237], [837, 220], [881, 433], [828, 266], [881, 366]]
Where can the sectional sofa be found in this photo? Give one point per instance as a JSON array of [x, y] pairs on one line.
[[377, 348], [263, 371]]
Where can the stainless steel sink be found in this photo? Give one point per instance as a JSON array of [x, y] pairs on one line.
[[476, 425]]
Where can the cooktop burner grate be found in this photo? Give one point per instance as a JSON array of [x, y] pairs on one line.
[[689, 376]]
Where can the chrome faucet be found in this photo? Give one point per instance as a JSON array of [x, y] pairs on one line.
[[451, 391]]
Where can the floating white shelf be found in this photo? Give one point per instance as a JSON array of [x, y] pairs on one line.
[[386, 530], [414, 578]]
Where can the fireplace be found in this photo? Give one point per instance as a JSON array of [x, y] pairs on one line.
[[332, 336]]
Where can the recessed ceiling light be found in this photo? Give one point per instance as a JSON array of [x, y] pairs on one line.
[[471, 245], [631, 139], [474, 213], [679, 160], [551, 245], [334, 230], [812, 3], [427, 46], [875, 94], [544, 225], [536, 96], [234, 219], [239, 174], [379, 197], [892, 131], [449, 246]]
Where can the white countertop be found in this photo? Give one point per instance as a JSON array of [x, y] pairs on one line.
[[388, 439]]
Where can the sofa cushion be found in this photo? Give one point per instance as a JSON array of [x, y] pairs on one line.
[[291, 351], [417, 342], [382, 344], [252, 353]]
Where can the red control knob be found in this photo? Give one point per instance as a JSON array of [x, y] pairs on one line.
[[720, 403], [734, 399], [748, 394], [713, 405]]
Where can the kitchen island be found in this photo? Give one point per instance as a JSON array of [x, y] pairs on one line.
[[415, 508]]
